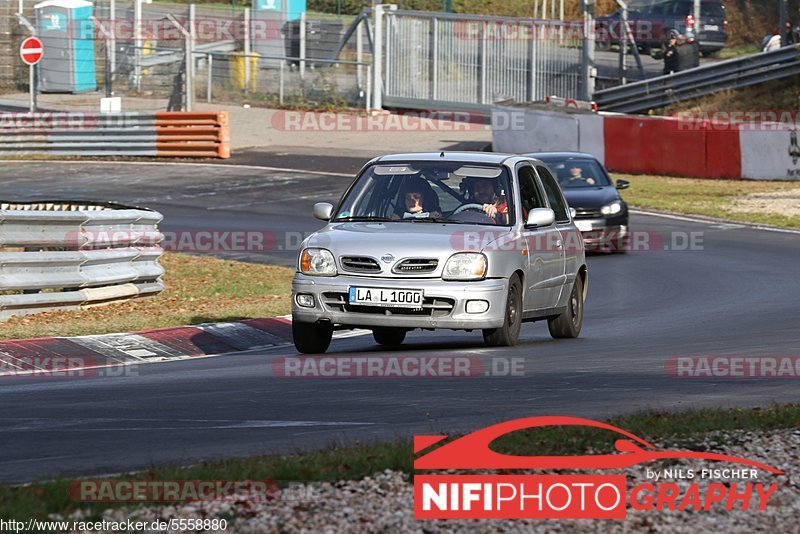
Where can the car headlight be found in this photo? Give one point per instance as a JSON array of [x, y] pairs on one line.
[[612, 209], [317, 262], [465, 266]]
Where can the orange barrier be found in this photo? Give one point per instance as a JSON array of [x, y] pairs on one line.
[[192, 134]]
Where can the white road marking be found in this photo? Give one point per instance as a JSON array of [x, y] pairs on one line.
[[712, 222], [223, 165]]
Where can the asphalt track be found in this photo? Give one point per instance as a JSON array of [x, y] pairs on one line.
[[736, 296]]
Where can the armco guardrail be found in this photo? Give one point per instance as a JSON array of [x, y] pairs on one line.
[[162, 134], [64, 255], [700, 81]]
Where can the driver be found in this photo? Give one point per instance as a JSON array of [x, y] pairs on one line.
[[494, 205], [576, 176]]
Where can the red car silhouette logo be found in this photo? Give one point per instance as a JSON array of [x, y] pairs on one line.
[[472, 451]]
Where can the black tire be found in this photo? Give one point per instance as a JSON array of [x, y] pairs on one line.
[[312, 338], [621, 245], [508, 334], [569, 323], [389, 337], [602, 46]]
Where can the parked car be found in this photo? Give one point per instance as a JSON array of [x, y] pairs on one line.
[[600, 213], [650, 21], [459, 241]]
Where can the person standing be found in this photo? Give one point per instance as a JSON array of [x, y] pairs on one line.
[[669, 53], [774, 42]]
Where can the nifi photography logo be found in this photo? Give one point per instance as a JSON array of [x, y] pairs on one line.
[[573, 496]]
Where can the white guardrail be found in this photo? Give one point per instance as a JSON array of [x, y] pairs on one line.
[[70, 255]]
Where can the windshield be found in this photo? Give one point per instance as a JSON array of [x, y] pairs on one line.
[[430, 191], [578, 172]]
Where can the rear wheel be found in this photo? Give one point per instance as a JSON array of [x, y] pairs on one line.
[[508, 334], [312, 338], [389, 337], [569, 323]]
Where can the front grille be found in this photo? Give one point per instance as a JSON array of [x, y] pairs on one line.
[[360, 264], [416, 266], [587, 213], [431, 306]]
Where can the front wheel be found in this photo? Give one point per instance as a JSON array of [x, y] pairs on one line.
[[312, 338], [508, 334], [389, 337], [569, 323]]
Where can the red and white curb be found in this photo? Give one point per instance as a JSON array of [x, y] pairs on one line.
[[67, 355]]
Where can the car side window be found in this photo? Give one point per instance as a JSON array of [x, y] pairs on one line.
[[553, 192], [530, 195]]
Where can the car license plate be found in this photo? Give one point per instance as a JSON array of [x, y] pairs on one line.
[[374, 296], [711, 27], [584, 226]]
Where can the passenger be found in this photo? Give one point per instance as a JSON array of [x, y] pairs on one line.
[[420, 201]]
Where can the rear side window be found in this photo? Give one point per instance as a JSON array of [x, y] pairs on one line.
[[530, 196], [554, 196]]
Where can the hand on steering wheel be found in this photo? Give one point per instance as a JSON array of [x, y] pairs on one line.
[[465, 207]]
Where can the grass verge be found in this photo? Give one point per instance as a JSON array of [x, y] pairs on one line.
[[357, 461], [724, 199], [199, 290]]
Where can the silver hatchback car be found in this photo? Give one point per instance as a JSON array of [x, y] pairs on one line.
[[455, 240]]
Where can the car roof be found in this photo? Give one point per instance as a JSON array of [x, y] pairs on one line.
[[490, 158], [560, 155]]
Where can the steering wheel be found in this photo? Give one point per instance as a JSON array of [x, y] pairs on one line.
[[465, 207]]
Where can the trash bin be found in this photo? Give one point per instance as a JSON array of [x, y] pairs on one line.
[[67, 36], [237, 70], [322, 38]]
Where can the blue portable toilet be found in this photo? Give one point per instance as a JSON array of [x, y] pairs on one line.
[[269, 27], [67, 36], [292, 9]]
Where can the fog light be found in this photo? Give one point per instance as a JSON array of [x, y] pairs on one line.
[[477, 306], [305, 301]]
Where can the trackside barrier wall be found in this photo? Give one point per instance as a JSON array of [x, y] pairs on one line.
[[61, 255], [654, 145], [162, 134]]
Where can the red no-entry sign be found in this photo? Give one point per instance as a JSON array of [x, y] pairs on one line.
[[31, 50]]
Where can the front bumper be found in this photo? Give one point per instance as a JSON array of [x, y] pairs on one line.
[[444, 305], [603, 233]]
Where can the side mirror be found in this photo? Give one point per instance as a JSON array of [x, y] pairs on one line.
[[572, 212], [541, 217], [323, 211], [623, 184]]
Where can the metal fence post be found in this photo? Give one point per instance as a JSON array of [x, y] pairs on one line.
[[623, 48], [531, 96], [280, 82], [137, 44], [360, 53], [246, 47], [377, 58], [587, 71], [302, 45], [434, 59], [482, 90], [112, 41], [210, 63], [190, 59]]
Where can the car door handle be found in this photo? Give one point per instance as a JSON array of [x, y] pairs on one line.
[[559, 245]]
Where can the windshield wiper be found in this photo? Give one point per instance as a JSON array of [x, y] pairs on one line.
[[433, 220], [362, 218]]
